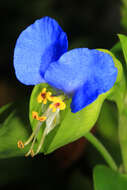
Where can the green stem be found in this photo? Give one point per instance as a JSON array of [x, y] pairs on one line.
[[123, 138], [99, 146]]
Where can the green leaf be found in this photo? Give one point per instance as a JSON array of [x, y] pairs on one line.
[[116, 48], [108, 122], [107, 179], [14, 128], [123, 41], [118, 94], [107, 130]]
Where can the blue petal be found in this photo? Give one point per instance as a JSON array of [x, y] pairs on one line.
[[84, 73], [84, 96], [37, 46]]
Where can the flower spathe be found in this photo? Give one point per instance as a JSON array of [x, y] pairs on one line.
[[41, 56]]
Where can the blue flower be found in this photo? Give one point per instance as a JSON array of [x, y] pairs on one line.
[[41, 56]]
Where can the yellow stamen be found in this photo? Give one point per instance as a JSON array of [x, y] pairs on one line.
[[43, 96], [42, 118], [20, 144], [57, 104], [35, 115], [41, 143]]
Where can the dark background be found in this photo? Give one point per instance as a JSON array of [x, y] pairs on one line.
[[88, 23]]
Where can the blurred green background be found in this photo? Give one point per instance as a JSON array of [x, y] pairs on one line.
[[88, 23]]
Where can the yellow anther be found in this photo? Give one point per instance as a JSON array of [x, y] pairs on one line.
[[57, 104], [35, 115], [42, 118], [20, 144], [43, 96]]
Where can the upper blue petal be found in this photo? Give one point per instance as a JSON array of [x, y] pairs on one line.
[[37, 46], [84, 73]]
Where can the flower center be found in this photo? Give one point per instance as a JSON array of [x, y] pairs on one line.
[[57, 104], [43, 95]]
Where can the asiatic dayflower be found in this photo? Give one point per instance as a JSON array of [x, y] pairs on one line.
[[41, 55]]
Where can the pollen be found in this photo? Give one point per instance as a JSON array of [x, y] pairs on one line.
[[57, 104], [44, 96], [20, 144]]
